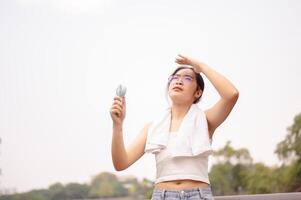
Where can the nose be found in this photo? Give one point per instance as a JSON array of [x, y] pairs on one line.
[[179, 82]]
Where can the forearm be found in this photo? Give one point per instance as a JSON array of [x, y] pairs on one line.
[[223, 86], [119, 155]]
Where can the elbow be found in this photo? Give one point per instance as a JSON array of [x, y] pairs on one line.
[[119, 167], [233, 97], [236, 94]]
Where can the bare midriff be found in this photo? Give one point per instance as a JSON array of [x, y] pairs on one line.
[[181, 184]]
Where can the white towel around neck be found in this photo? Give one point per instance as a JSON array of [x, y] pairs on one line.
[[193, 138]]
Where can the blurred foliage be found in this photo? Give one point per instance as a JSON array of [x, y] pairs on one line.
[[106, 185], [235, 172], [228, 175], [290, 148], [289, 151], [102, 185]]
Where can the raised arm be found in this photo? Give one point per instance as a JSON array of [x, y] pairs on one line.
[[227, 91], [124, 157]]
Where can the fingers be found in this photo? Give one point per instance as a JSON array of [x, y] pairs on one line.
[[178, 59], [180, 55], [118, 106], [181, 59], [118, 100], [123, 101], [185, 60], [116, 111]]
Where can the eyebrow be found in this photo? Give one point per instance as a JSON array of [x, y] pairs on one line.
[[184, 75]]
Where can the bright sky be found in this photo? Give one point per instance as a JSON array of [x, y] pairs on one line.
[[61, 61]]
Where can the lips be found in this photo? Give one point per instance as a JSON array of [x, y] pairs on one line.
[[177, 88]]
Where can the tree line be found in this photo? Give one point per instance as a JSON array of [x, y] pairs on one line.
[[103, 185], [233, 173]]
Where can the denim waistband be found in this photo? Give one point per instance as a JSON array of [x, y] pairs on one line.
[[182, 193]]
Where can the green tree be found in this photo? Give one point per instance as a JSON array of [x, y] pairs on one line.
[[57, 191], [132, 185], [290, 148], [76, 191], [260, 179], [146, 187], [106, 185], [289, 151], [227, 175], [221, 179], [228, 154], [34, 195]]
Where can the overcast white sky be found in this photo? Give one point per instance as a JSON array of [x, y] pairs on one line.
[[61, 61]]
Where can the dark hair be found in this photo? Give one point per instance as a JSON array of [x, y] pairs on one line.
[[199, 80]]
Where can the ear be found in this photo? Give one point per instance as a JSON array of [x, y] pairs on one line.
[[198, 93]]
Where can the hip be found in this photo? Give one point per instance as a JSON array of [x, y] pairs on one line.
[[203, 193]]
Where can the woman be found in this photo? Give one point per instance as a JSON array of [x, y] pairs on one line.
[[181, 139]]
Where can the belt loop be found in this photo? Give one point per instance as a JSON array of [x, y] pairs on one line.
[[201, 192], [182, 194], [163, 194]]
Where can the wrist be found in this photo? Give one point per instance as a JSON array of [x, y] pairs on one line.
[[117, 127], [200, 67]]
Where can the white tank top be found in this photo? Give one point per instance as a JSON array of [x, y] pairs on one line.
[[177, 168]]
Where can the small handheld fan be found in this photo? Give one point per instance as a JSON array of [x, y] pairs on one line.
[[120, 91]]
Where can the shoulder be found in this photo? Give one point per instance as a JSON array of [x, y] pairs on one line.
[[146, 127]]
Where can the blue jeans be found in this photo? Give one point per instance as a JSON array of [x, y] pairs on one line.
[[185, 194]]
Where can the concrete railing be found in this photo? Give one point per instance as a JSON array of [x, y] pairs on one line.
[[274, 196]]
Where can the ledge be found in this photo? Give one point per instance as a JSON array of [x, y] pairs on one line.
[[274, 196]]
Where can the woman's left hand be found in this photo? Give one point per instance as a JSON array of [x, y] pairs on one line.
[[185, 60]]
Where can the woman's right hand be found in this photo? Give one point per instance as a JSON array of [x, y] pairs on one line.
[[118, 110], [185, 60]]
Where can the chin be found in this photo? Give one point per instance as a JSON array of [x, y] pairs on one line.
[[178, 99]]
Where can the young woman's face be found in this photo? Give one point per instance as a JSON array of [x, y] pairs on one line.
[[183, 86]]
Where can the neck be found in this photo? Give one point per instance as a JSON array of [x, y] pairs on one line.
[[178, 111]]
